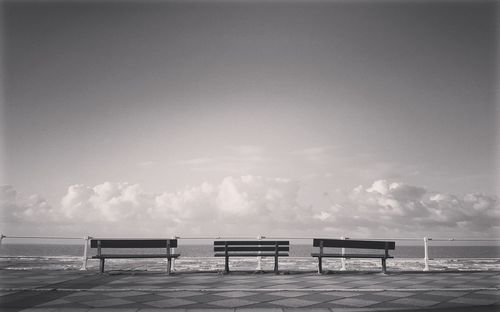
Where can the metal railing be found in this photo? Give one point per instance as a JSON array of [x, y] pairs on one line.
[[426, 244]]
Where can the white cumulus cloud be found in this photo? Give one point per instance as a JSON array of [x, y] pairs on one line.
[[252, 205], [386, 207]]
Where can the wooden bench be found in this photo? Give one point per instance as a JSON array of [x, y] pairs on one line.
[[357, 244], [256, 248], [166, 244]]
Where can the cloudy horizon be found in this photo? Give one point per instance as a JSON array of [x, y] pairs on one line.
[[268, 206], [283, 118]]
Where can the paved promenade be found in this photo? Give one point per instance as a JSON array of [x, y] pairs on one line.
[[49, 291]]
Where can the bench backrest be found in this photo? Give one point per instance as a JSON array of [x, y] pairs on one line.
[[251, 246], [358, 244], [133, 243]]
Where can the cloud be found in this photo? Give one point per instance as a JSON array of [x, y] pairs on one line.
[[17, 208], [236, 205], [414, 209], [251, 205]]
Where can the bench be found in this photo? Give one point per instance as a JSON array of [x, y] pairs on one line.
[[256, 248], [166, 244], [357, 244]]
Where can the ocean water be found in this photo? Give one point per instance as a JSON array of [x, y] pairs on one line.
[[200, 258], [59, 250]]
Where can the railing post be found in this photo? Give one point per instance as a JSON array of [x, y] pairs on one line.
[[85, 250], [173, 259], [259, 259], [1, 238], [426, 254], [342, 268]]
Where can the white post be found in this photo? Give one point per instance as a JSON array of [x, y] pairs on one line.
[[259, 259], [426, 254], [342, 268], [173, 259], [85, 250]]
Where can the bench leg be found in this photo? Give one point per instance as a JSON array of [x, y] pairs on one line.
[[320, 265], [226, 267], [101, 266], [169, 265], [276, 265], [384, 268]]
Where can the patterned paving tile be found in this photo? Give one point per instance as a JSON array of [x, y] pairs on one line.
[[450, 306], [446, 282], [288, 293], [446, 293], [232, 303], [275, 286], [415, 302], [293, 302], [420, 286], [235, 294], [206, 308], [323, 282], [125, 294], [54, 303], [374, 297], [193, 287], [342, 294], [363, 282], [474, 301], [312, 309], [180, 294], [319, 297], [200, 277], [145, 298], [395, 294], [459, 286], [263, 297], [206, 298], [52, 310], [139, 299], [79, 294], [169, 303], [260, 310], [160, 310], [239, 281], [431, 297], [106, 303], [489, 292], [109, 310], [82, 297], [354, 302]]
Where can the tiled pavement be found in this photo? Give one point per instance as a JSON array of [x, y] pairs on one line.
[[45, 291]]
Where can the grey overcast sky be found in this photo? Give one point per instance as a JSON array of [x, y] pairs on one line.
[[225, 109]]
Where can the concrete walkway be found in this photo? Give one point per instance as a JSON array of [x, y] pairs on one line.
[[48, 291]]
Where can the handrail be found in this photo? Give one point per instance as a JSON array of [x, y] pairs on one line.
[[426, 241], [41, 237], [443, 239]]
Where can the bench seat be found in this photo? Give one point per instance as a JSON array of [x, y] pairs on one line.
[[125, 256], [251, 248], [330, 255], [264, 254], [134, 243], [323, 243]]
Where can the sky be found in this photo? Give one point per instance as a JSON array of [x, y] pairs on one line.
[[198, 118]]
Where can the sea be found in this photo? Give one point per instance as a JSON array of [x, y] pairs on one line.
[[200, 258]]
